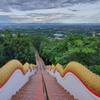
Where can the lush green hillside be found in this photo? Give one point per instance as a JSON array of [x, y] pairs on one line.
[[81, 48], [16, 47]]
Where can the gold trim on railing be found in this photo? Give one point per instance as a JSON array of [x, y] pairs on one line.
[[8, 69], [90, 79]]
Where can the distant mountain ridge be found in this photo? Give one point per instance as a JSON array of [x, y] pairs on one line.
[[46, 25]]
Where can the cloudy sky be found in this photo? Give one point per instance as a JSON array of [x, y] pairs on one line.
[[49, 11]]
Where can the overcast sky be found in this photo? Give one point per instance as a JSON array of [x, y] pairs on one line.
[[49, 11]]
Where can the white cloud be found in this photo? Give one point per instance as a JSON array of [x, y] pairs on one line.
[[78, 13]]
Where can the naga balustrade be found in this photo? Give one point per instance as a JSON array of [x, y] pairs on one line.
[[76, 78], [13, 76]]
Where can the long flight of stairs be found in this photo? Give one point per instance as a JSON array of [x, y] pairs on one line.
[[34, 89], [42, 86]]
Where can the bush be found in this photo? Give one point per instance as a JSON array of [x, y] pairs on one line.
[[83, 49], [95, 69], [16, 46]]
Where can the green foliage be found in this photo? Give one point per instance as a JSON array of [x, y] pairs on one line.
[[20, 46], [16, 46], [38, 41], [83, 49], [95, 69]]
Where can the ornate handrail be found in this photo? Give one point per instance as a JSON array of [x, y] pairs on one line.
[[88, 78], [8, 69]]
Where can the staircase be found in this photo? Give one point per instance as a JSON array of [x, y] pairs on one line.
[[42, 86]]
